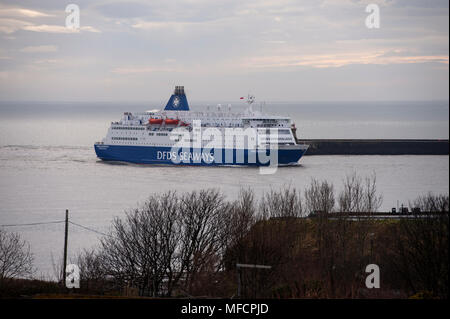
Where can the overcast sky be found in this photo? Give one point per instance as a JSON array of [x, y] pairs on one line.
[[280, 50]]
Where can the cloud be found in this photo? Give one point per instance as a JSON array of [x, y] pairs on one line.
[[4, 75], [9, 26], [340, 60], [40, 49], [90, 29], [226, 41], [275, 41], [49, 61], [19, 12], [156, 25], [143, 70], [58, 29], [124, 9]]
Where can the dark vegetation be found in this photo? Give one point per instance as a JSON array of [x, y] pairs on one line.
[[188, 244]]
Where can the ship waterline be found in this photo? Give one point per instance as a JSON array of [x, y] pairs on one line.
[[192, 156]]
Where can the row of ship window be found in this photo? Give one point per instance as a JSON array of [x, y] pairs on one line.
[[158, 134], [190, 140], [170, 129], [279, 131], [128, 128], [277, 139], [125, 138]]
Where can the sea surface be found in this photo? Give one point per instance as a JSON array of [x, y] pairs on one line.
[[48, 164]]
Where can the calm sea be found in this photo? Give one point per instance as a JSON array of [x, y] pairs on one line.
[[47, 164]]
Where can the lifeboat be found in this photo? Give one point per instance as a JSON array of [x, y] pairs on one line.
[[155, 121], [184, 124], [172, 121]]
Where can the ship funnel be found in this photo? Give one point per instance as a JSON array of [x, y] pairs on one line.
[[178, 100]]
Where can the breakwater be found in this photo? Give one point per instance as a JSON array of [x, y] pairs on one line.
[[376, 147]]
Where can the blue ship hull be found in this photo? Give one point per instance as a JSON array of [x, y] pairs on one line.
[[164, 155]]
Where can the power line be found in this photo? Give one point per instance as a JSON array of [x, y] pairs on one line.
[[33, 224], [56, 222], [89, 229]]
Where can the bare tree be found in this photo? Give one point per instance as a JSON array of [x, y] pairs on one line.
[[92, 273], [203, 220], [192, 242], [319, 197], [341, 242], [286, 202], [351, 239], [421, 250], [359, 195], [240, 220], [16, 259], [168, 233], [431, 203], [372, 200], [170, 241], [243, 213], [89, 262], [269, 238], [140, 250], [57, 267]]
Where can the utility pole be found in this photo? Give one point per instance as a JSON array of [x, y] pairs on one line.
[[66, 233]]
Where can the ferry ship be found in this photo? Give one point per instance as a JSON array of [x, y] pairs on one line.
[[177, 135]]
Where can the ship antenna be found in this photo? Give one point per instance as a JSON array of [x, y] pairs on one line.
[[250, 100]]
